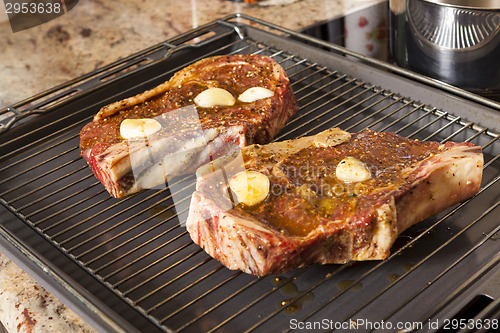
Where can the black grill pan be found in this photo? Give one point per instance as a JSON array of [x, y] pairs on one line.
[[129, 264]]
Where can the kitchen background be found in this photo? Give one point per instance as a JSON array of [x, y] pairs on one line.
[[95, 33]]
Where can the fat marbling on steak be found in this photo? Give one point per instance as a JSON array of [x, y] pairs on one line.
[[190, 135], [312, 216]]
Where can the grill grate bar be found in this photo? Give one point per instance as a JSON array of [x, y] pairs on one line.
[[245, 286], [54, 157], [78, 234], [404, 106], [298, 297], [39, 176], [477, 134], [488, 144], [303, 114], [151, 278], [305, 68], [379, 111], [432, 122], [122, 281], [309, 112], [135, 226], [442, 128], [460, 130], [85, 120], [36, 153], [470, 251], [492, 160], [120, 223], [274, 289], [128, 253], [5, 180], [46, 197], [241, 49], [189, 270], [315, 128], [413, 241], [192, 321], [491, 141], [291, 77], [75, 204], [129, 240], [411, 123], [330, 74], [492, 311], [215, 270], [355, 114], [45, 185], [462, 288], [73, 226], [52, 136], [325, 85], [415, 109], [208, 292], [108, 276], [276, 53]]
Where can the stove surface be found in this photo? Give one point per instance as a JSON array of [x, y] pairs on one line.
[[366, 32]]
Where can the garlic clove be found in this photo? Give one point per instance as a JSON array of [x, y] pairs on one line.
[[255, 93], [138, 128], [250, 187], [214, 96], [351, 170]]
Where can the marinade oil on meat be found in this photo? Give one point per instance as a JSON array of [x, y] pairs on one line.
[[333, 197]]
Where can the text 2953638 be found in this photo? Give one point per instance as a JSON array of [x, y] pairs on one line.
[[43, 7]]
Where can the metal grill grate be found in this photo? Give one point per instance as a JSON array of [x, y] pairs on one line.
[[138, 248]]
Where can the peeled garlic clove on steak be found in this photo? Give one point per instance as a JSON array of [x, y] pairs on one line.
[[254, 94], [214, 96], [138, 128], [250, 187], [351, 170]]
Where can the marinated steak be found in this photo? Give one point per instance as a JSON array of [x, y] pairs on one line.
[[191, 119], [329, 198]]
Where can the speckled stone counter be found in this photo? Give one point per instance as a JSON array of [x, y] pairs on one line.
[[91, 35], [25, 306]]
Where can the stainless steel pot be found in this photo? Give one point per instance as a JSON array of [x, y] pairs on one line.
[[455, 41]]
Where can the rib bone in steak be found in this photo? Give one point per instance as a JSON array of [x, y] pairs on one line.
[[332, 198]]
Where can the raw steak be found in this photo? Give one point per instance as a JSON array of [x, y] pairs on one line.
[[312, 216], [190, 135]]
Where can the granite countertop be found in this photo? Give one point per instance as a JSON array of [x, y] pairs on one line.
[[91, 35]]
